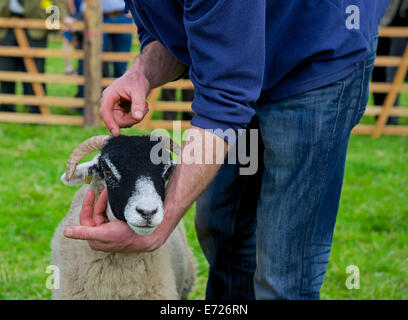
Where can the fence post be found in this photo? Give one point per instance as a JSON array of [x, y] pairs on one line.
[[92, 61]]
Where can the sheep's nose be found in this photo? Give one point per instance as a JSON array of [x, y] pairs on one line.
[[146, 214]]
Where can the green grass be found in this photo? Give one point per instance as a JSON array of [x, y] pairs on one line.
[[33, 201], [371, 230]]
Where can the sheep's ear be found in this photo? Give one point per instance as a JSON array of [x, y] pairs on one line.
[[84, 172], [168, 170]]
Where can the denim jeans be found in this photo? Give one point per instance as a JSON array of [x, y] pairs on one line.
[[116, 42], [268, 236]]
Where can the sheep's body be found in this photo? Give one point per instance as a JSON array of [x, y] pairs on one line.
[[167, 273]]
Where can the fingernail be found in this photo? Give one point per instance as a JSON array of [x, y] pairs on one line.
[[68, 232], [138, 114], [114, 131]]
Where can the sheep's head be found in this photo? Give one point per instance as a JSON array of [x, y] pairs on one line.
[[135, 184]]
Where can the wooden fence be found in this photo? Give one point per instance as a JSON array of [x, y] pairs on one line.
[[93, 81], [390, 89]]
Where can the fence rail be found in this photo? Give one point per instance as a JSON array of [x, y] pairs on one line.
[[37, 79]]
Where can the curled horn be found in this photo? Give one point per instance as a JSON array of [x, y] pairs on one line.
[[84, 148], [170, 144]]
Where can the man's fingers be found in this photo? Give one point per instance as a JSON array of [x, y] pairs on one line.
[[85, 218], [106, 113], [100, 246], [99, 212], [139, 106], [86, 233], [124, 120]]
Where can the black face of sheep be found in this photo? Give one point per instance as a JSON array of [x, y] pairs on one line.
[[135, 181]]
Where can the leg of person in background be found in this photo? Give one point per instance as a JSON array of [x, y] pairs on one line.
[[80, 92], [106, 47], [40, 64], [67, 45], [391, 47], [187, 95], [397, 47], [384, 74], [169, 95], [121, 42], [8, 64], [225, 222], [379, 74]]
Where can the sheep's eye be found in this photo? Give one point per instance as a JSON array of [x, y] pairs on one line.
[[108, 172]]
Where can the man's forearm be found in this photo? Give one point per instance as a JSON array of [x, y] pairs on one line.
[[190, 180], [157, 65]]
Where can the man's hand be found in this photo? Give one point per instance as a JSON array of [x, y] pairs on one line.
[[115, 236], [187, 183], [123, 103]]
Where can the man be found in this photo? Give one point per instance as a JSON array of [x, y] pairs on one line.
[[303, 67], [36, 38]]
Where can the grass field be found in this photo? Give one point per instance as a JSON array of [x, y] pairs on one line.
[[371, 230]]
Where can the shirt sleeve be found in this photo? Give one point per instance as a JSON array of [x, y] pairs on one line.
[[226, 41], [144, 36]]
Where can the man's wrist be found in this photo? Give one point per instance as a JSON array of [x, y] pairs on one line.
[[158, 65], [138, 70], [142, 66], [147, 243]]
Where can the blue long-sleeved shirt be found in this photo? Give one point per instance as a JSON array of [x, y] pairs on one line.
[[241, 52]]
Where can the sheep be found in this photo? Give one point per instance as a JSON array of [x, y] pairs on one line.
[[135, 195]]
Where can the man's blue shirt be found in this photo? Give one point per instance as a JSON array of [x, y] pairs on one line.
[[241, 52]]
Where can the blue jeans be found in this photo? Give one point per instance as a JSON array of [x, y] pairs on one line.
[[268, 236], [116, 42]]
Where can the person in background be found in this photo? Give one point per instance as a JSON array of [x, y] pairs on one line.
[[396, 16], [69, 39], [34, 9], [113, 12], [170, 95]]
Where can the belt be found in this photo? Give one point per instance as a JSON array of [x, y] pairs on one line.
[[113, 14]]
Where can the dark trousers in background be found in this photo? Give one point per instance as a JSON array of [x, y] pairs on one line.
[[170, 95], [388, 47], [17, 64], [116, 42]]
